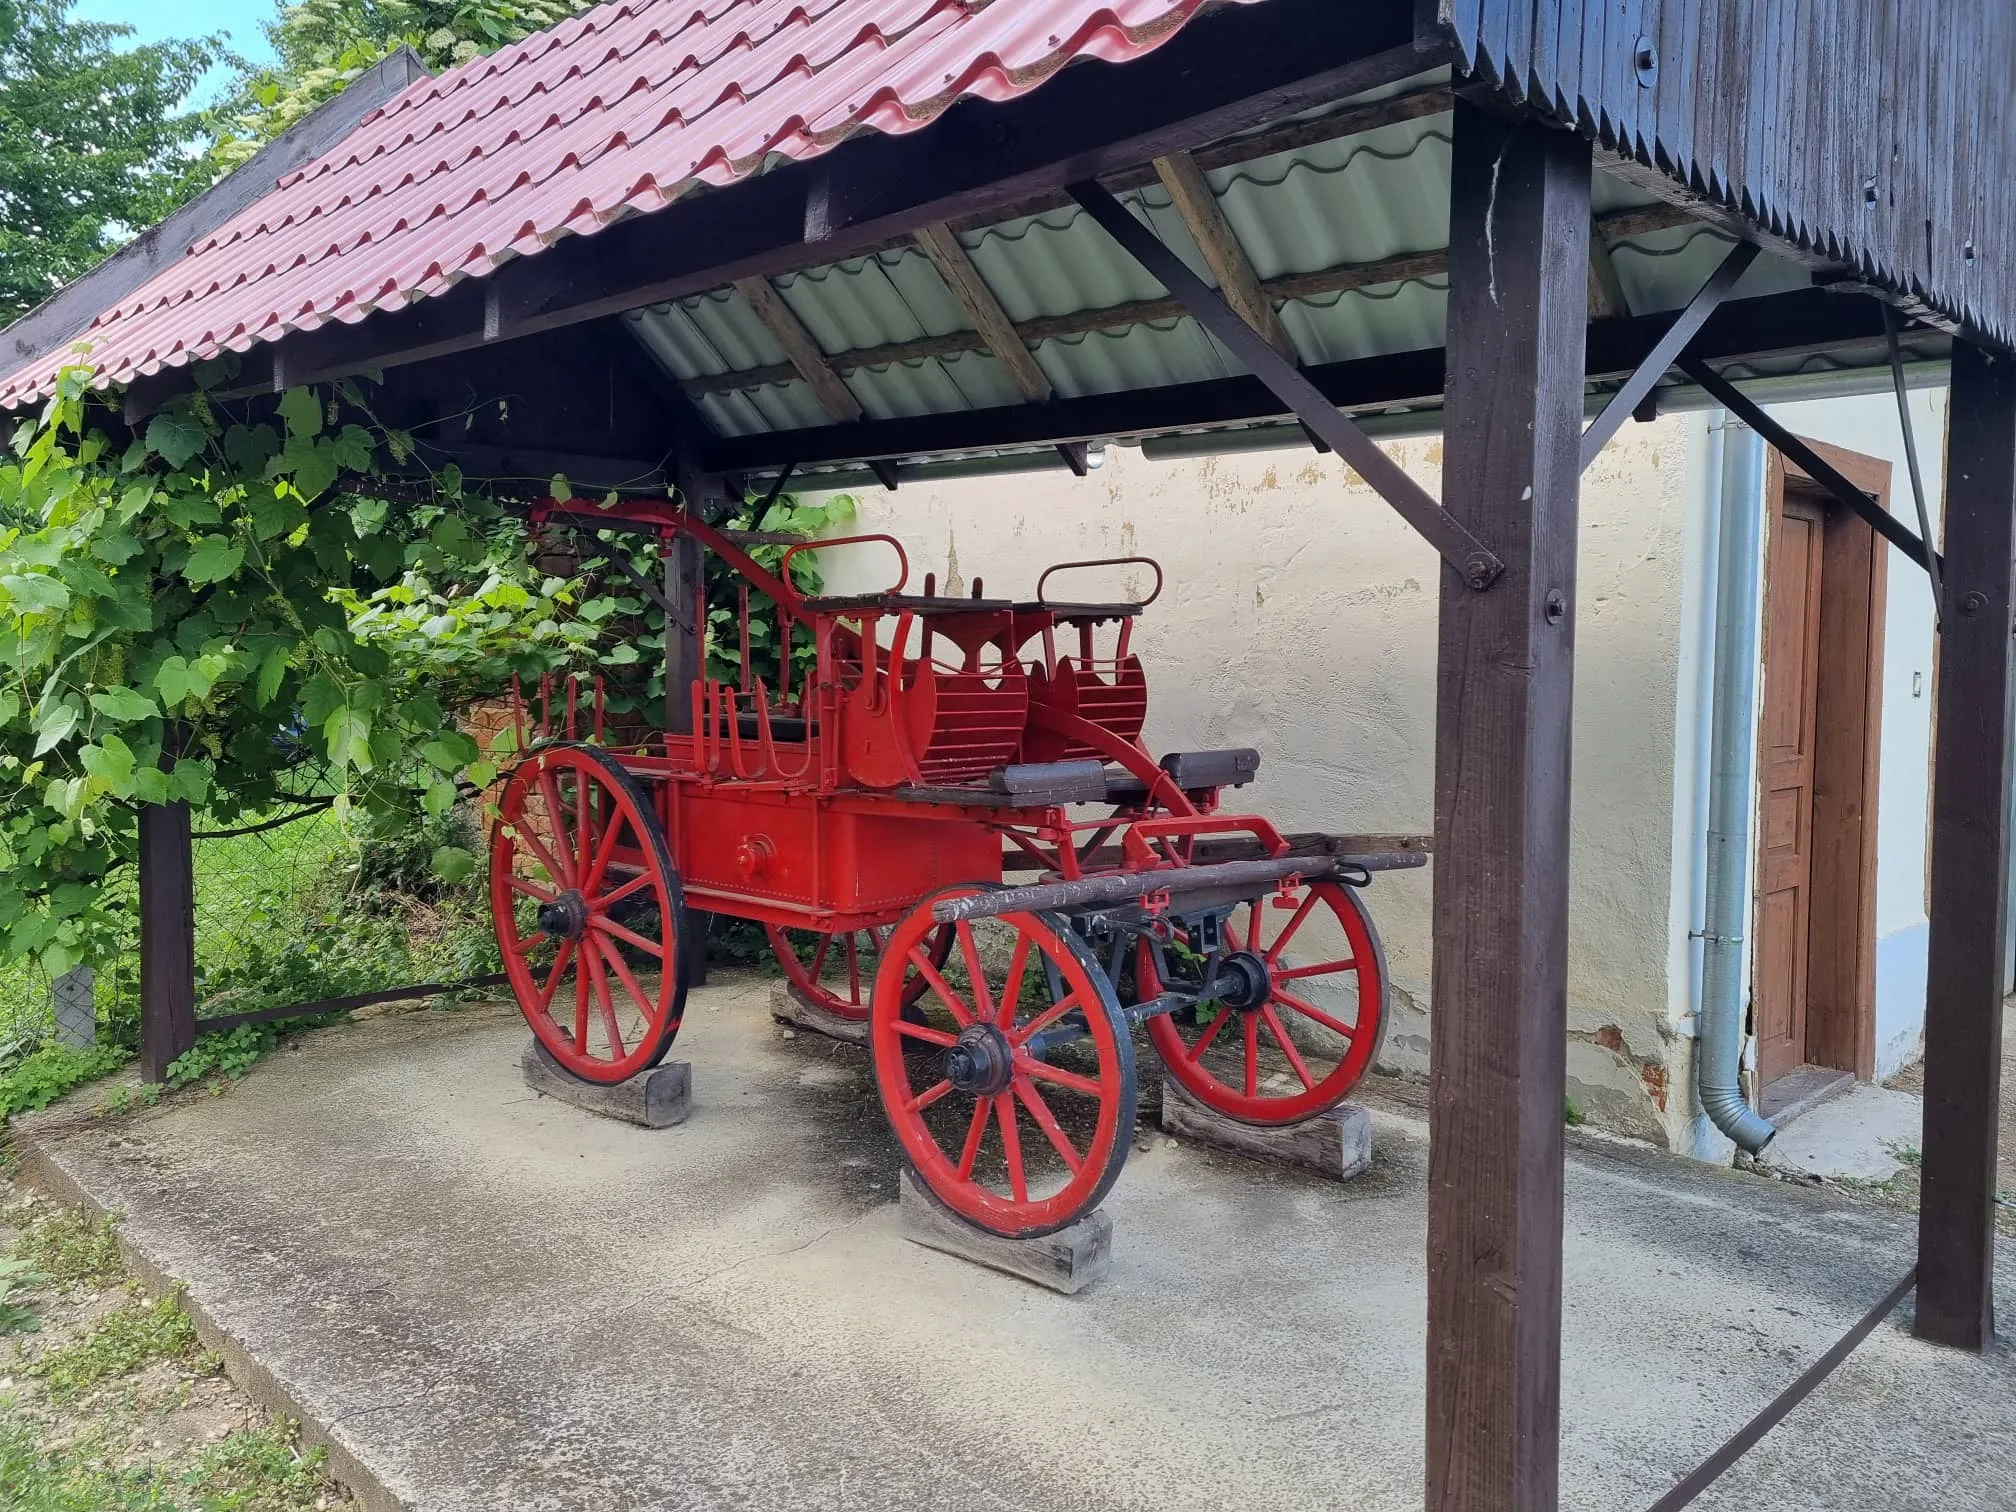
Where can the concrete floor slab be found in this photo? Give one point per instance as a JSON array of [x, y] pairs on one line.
[[1866, 1133], [489, 1300]]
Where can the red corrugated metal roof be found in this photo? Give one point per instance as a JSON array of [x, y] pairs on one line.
[[617, 112]]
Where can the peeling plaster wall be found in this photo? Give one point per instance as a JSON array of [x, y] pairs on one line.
[[1299, 619]]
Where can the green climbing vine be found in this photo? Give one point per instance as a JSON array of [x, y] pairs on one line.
[[220, 607]]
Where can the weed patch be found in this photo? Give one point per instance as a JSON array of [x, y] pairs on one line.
[[123, 1342], [45, 1074], [71, 1247]]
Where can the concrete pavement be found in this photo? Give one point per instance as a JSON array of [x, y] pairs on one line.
[[487, 1301]]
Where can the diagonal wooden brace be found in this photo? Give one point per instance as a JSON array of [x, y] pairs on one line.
[[1683, 330], [1474, 562], [1816, 467]]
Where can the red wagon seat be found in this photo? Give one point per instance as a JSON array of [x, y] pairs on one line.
[[1112, 695], [955, 726]]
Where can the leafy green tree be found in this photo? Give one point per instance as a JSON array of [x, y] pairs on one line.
[[95, 144], [320, 46]]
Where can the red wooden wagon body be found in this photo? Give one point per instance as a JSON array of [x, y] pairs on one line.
[[869, 813]]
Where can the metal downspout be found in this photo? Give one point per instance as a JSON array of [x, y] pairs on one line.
[[1738, 623]]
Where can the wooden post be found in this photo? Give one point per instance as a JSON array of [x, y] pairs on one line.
[[686, 592], [1518, 301], [167, 938], [1970, 859], [686, 660]]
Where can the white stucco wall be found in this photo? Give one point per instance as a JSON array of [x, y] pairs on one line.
[[1300, 619], [1870, 426]]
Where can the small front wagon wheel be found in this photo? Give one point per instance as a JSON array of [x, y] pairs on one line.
[[589, 912], [1009, 1081]]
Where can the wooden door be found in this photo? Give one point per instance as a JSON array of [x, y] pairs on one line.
[[1785, 785]]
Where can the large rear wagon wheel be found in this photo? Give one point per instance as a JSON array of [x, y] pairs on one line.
[[589, 913], [1016, 1137], [836, 972], [1297, 1045]]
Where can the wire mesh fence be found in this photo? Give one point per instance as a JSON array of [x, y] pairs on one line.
[[308, 910]]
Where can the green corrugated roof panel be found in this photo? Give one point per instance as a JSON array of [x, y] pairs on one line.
[[1377, 195]]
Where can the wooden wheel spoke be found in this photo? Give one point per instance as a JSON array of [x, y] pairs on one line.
[[926, 1033], [981, 1108], [928, 1096], [1251, 1024], [1287, 930], [605, 1005], [1211, 1033], [629, 889], [550, 791], [854, 968], [1011, 1146], [1044, 1071], [954, 1004], [819, 956], [582, 974], [983, 1005], [1321, 968], [1287, 1045], [629, 937], [1011, 989], [1311, 1011], [1045, 1120], [605, 851], [1044, 1019], [531, 889], [613, 959], [560, 959], [522, 831]]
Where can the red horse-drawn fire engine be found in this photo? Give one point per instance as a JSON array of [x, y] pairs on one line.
[[867, 814]]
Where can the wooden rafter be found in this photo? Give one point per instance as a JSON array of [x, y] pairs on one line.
[[807, 360], [1195, 200], [1618, 225], [937, 242]]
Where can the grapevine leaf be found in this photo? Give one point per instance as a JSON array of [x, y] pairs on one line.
[[175, 438], [302, 411], [124, 705], [111, 762], [35, 593], [454, 864], [55, 725], [212, 559]]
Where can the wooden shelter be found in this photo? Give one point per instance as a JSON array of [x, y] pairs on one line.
[[739, 244]]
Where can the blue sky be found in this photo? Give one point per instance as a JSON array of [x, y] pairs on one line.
[[242, 21]]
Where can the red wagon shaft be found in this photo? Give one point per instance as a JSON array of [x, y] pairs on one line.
[[866, 809]]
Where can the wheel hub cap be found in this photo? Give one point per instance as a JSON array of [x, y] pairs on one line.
[[982, 1063], [566, 917], [1241, 981]]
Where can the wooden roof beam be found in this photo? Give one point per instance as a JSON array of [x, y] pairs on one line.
[[937, 242], [1031, 333], [799, 346], [1195, 200]]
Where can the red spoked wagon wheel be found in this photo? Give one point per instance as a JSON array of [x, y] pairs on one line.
[[1307, 1018], [589, 912], [836, 971], [1010, 1083]]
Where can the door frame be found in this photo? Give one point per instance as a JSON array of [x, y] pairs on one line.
[[1841, 929]]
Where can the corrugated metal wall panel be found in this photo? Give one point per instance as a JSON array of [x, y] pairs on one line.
[[1874, 133]]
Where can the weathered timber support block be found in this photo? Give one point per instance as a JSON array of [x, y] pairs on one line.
[[1067, 1261], [654, 1099], [787, 1007], [1337, 1144]]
